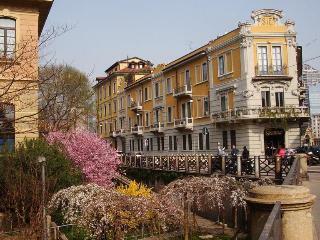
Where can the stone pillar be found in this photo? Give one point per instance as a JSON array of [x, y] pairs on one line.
[[303, 162], [296, 202]]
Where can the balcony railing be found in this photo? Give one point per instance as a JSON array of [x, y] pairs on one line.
[[260, 113], [271, 72], [137, 130], [118, 133], [157, 127], [183, 123], [185, 90], [136, 106]]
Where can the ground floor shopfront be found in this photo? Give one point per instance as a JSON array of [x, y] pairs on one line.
[[256, 136]]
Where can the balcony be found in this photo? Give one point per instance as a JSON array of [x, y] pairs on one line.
[[136, 106], [184, 91], [118, 133], [270, 73], [137, 130], [183, 124], [239, 114], [157, 127]]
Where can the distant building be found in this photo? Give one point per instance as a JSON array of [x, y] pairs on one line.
[[315, 124], [311, 80], [238, 89]]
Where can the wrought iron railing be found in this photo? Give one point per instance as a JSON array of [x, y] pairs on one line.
[[185, 89], [270, 70], [137, 130], [206, 164], [183, 122]]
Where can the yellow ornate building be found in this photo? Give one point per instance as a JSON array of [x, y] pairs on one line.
[[21, 23], [239, 89]]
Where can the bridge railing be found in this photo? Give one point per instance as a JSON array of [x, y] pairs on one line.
[[206, 164]]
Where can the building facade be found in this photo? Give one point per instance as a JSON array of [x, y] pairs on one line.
[[315, 125], [239, 89], [21, 23]]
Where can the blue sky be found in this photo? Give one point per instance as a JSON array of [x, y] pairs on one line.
[[108, 30]]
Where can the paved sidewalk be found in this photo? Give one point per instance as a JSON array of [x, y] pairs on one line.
[[314, 185]]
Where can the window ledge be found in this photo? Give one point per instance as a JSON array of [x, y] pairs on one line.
[[201, 82], [226, 75]]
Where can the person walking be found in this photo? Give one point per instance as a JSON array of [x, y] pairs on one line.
[[246, 161], [282, 151]]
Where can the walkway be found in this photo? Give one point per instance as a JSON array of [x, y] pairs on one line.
[[314, 186]]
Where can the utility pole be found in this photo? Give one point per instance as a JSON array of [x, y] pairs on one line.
[[42, 160]]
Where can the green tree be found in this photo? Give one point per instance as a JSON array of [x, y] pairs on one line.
[[66, 98]]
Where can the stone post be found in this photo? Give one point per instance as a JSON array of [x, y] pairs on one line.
[[296, 202], [239, 165], [303, 162]]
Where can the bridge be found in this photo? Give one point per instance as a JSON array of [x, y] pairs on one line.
[[206, 164]]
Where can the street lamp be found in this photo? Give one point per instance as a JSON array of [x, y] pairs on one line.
[[42, 161]]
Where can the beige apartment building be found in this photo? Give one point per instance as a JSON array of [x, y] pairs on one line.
[[239, 89], [21, 23]]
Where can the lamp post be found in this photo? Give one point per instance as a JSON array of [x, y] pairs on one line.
[[42, 160]]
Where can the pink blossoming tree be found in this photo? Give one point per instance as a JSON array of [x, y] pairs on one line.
[[94, 156]]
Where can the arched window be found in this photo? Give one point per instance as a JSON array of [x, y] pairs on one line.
[[7, 37], [7, 130]]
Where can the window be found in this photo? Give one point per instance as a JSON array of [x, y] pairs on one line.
[[109, 108], [224, 103], [233, 139], [190, 141], [262, 60], [147, 119], [162, 143], [151, 144], [276, 60], [170, 142], [197, 74], [206, 106], [188, 83], [7, 133], [265, 98], [105, 110], [109, 90], [169, 112], [158, 143], [204, 72], [184, 142], [156, 90], [200, 140], [115, 106], [7, 37], [279, 99], [175, 143], [145, 94], [114, 87], [221, 66], [225, 139], [169, 85], [207, 136]]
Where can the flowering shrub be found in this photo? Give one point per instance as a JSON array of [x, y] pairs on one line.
[[134, 189], [109, 214], [94, 156]]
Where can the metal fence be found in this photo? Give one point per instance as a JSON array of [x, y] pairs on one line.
[[205, 164]]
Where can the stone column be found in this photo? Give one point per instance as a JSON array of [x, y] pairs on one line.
[[296, 202], [303, 162]]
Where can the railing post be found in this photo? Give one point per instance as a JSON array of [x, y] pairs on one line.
[[223, 165], [278, 169], [186, 166], [239, 165], [257, 166]]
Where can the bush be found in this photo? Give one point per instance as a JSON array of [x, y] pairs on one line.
[[20, 179]]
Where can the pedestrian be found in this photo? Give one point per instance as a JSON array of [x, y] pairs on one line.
[[282, 151], [245, 153], [221, 151], [234, 151]]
